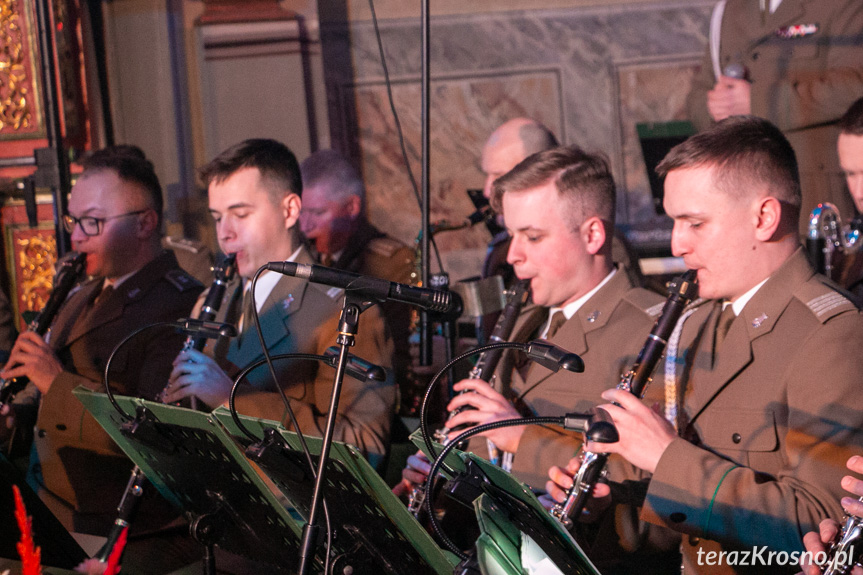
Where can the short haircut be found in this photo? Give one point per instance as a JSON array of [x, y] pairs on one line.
[[536, 138], [277, 164], [582, 179], [745, 152], [331, 169], [131, 165], [852, 122]]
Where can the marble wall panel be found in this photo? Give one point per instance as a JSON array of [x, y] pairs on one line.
[[590, 72], [644, 97]]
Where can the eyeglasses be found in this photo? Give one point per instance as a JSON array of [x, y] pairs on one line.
[[92, 226]]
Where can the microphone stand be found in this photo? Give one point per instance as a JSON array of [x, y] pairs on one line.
[[348, 324]]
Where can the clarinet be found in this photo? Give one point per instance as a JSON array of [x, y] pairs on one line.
[[847, 551], [681, 291], [484, 370], [222, 272], [70, 270]]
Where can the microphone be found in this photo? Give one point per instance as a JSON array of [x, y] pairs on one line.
[[552, 357], [206, 329], [735, 70], [357, 367], [444, 302]]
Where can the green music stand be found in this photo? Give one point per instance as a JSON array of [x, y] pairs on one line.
[[506, 510], [195, 464], [373, 531]]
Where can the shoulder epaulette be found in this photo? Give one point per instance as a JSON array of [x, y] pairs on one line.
[[647, 301], [824, 299], [184, 244], [330, 292], [182, 281], [384, 246]]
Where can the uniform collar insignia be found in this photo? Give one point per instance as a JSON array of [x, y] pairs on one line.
[[593, 316], [759, 320], [133, 292], [286, 303]]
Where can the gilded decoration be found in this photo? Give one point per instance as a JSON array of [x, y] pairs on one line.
[[35, 258], [17, 94]]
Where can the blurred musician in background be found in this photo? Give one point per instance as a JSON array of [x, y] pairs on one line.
[[254, 193], [558, 205], [115, 218], [762, 436], [333, 218], [509, 144], [850, 148]]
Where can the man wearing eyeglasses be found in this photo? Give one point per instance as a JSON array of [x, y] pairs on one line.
[[115, 213]]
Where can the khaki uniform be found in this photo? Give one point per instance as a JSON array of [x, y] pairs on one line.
[[607, 332], [798, 83], [372, 253], [772, 423], [78, 461], [302, 317]]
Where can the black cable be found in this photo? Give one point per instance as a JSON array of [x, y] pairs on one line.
[[105, 382], [438, 463], [388, 85], [424, 427], [245, 372], [287, 404]]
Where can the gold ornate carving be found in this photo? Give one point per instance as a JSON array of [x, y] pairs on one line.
[[17, 108], [36, 256]]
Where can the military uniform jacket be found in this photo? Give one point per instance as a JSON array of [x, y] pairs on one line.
[[772, 423], [607, 332], [302, 317], [372, 253], [80, 464], [800, 80]]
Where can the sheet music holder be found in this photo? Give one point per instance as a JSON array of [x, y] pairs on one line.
[[190, 459], [506, 510], [374, 532], [59, 549]]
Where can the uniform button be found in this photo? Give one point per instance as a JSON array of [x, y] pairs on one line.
[[694, 540], [677, 517], [736, 438], [41, 433]]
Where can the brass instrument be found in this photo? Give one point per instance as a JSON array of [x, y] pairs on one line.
[[71, 268], [847, 550], [484, 369], [681, 291], [830, 243]]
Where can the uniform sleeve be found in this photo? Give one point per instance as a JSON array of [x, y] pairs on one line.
[[701, 493]]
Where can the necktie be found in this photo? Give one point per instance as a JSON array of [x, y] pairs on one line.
[[726, 318], [557, 320], [247, 321]]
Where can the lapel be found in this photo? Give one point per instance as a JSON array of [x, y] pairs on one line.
[[71, 310], [757, 319], [593, 315], [284, 301], [111, 308]]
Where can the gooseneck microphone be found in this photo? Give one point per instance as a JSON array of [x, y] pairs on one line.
[[444, 302]]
